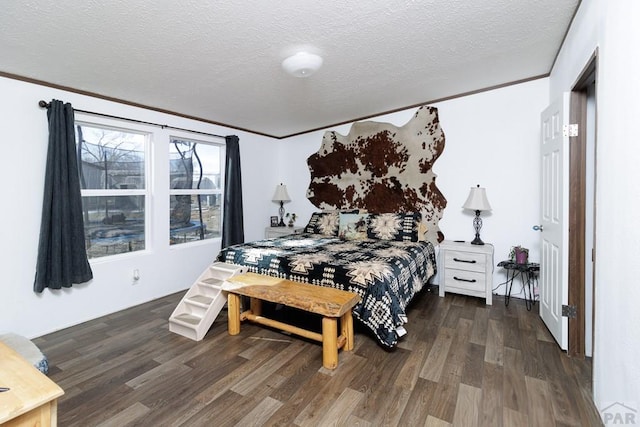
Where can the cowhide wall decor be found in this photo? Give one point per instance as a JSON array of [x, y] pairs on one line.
[[382, 168]]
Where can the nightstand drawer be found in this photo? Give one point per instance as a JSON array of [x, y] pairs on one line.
[[469, 280], [465, 260]]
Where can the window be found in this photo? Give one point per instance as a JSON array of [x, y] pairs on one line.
[[112, 179], [195, 193]]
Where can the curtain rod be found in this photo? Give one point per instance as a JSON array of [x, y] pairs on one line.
[[45, 104]]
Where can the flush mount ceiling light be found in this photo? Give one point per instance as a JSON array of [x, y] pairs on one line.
[[302, 64]]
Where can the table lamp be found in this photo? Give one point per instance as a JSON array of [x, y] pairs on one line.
[[281, 196], [477, 201]]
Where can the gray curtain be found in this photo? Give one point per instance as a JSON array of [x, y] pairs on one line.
[[232, 223], [62, 255]]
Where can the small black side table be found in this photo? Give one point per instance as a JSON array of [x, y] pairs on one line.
[[528, 274]]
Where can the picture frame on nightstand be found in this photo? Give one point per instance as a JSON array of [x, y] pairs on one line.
[[274, 221]]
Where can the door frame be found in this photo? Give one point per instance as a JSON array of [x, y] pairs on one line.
[[577, 207]]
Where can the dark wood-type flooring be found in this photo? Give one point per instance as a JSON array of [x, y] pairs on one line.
[[462, 363]]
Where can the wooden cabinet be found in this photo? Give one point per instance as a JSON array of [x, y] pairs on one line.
[[466, 269], [271, 232], [32, 398]]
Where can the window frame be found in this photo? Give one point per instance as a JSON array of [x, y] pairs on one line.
[[204, 140], [146, 192]]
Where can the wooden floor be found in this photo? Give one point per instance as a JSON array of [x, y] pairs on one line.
[[462, 363]]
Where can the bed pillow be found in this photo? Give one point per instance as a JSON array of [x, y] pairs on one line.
[[353, 226], [423, 229], [394, 226], [325, 223]]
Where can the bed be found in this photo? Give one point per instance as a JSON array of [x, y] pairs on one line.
[[378, 224], [386, 274]]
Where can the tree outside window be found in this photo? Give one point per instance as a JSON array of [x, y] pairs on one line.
[[195, 190]]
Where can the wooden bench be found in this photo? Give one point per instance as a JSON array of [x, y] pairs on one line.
[[330, 303]]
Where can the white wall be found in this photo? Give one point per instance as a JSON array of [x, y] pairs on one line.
[[492, 139], [611, 27], [163, 270]]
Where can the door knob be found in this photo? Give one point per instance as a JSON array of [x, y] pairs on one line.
[[537, 227]]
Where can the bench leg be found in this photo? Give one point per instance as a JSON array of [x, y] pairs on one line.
[[233, 308], [330, 342], [256, 306], [346, 324]]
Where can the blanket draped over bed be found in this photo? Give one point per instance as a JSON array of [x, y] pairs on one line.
[[386, 274]]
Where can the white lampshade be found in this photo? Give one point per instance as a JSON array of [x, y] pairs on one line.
[[477, 200], [302, 64], [281, 194]]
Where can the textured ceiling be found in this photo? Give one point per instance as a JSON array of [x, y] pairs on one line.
[[220, 60]]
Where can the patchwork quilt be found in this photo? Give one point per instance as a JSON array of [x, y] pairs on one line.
[[386, 274]]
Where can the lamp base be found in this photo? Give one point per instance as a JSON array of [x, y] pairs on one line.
[[477, 240], [477, 225], [281, 213]]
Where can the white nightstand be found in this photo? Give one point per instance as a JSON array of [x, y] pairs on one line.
[[466, 269], [271, 232]]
